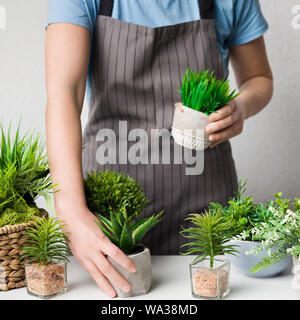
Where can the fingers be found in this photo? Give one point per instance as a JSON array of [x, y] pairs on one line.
[[99, 278], [111, 273], [223, 112], [119, 256], [222, 124], [179, 106], [225, 134]]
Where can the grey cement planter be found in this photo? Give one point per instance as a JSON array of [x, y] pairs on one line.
[[245, 262], [141, 280]]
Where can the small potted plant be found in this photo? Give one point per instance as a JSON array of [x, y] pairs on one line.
[[282, 234], [246, 216], [201, 95], [24, 176], [117, 200], [209, 274], [46, 255]]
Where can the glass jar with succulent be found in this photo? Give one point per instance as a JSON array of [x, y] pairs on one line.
[[201, 95], [46, 256], [24, 176], [246, 216], [209, 239], [117, 200]]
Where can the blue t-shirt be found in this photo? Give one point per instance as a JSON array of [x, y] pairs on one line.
[[237, 21]]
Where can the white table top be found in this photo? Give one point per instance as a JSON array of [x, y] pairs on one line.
[[171, 281]]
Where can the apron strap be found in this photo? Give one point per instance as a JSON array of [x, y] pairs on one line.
[[206, 8], [106, 7]]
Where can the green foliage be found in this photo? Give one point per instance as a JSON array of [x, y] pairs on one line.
[[281, 231], [45, 242], [24, 172], [124, 233], [244, 214], [20, 214], [269, 260], [107, 192], [210, 234], [203, 92]]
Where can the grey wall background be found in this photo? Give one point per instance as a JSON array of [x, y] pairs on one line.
[[268, 151]]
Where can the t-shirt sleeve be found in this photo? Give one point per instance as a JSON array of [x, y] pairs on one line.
[[79, 12], [249, 22]]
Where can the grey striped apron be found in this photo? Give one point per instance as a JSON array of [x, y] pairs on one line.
[[135, 71]]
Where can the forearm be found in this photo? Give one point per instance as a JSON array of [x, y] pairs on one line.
[[255, 94], [64, 153]]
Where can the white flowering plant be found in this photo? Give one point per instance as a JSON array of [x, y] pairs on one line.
[[281, 232]]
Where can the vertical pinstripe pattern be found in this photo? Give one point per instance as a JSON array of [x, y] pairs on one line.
[[135, 71]]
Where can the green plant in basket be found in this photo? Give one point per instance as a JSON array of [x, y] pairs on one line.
[[45, 242], [107, 192], [209, 235], [204, 93], [124, 233], [24, 175]]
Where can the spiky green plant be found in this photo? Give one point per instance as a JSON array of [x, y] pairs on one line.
[[210, 234], [203, 92], [107, 191], [124, 233], [45, 242], [24, 171]]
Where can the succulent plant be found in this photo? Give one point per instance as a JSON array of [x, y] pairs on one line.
[[124, 233]]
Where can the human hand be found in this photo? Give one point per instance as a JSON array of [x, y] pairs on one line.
[[226, 123], [90, 247]]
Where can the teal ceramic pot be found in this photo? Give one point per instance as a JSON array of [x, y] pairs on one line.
[[244, 263]]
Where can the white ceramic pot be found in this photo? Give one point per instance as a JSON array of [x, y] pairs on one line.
[[141, 280], [244, 262], [296, 279], [188, 128]]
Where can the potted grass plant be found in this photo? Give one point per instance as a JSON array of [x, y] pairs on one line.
[[201, 95], [24, 176], [46, 256], [209, 236], [117, 200], [246, 217]]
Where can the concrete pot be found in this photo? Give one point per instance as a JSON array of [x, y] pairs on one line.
[[141, 280], [188, 128], [245, 262], [296, 279]]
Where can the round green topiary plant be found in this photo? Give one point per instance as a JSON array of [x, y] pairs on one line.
[[107, 191]]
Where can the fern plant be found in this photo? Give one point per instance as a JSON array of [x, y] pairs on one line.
[[124, 233], [45, 242], [24, 173], [210, 235], [281, 231], [203, 92], [107, 191]]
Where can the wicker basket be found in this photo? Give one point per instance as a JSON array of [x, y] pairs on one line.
[[12, 274]]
